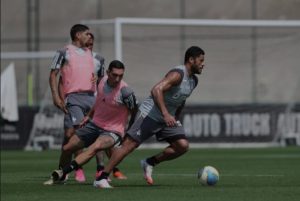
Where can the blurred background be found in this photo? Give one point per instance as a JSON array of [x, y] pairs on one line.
[[244, 65], [232, 54]]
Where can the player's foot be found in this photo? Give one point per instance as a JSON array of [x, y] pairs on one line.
[[56, 178], [57, 175], [103, 183], [49, 182], [98, 173], [79, 175], [147, 171], [119, 175]]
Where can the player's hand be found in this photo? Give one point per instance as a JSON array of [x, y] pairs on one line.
[[84, 121], [94, 78], [60, 104], [170, 120]]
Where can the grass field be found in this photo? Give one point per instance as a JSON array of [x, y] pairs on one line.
[[269, 174]]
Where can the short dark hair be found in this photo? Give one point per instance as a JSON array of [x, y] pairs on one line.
[[194, 52], [77, 28], [116, 64]]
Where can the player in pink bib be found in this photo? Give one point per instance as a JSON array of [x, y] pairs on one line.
[[74, 94], [106, 122]]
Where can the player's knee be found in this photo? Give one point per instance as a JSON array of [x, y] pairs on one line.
[[182, 146], [129, 145], [69, 132], [67, 148]]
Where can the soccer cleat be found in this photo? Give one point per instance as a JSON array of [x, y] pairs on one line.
[[147, 171], [57, 175], [79, 175], [103, 183], [49, 182], [98, 173], [119, 175], [56, 178]]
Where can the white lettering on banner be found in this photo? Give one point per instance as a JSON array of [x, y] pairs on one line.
[[246, 124], [288, 123], [10, 136], [196, 125], [53, 122]]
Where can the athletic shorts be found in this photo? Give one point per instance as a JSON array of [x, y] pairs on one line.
[[78, 105], [145, 127], [90, 132]]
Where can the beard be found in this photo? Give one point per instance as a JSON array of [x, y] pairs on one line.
[[195, 69]]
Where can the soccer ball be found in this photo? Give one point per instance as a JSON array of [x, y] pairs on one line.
[[208, 176]]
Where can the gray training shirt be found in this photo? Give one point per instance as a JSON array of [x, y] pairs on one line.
[[173, 98]]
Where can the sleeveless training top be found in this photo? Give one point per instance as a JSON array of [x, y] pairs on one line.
[[78, 72], [109, 113], [173, 98]]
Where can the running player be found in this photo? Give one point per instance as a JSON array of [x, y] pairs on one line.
[[158, 115]]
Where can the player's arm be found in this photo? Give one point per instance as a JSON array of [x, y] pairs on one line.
[[55, 67], [61, 88], [89, 116], [173, 78], [99, 67], [129, 99]]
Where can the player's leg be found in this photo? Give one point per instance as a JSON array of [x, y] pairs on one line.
[[141, 130], [178, 145], [78, 105], [116, 171], [174, 150], [104, 140], [73, 145], [99, 163], [117, 156], [64, 157]]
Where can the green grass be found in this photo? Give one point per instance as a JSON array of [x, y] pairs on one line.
[[245, 174]]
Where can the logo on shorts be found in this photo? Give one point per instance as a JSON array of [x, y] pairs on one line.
[[73, 119], [138, 132]]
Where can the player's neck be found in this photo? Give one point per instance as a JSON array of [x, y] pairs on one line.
[[189, 69], [77, 44]]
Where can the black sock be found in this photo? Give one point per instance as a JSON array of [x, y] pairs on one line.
[[104, 175], [152, 161], [100, 167], [69, 168], [115, 169]]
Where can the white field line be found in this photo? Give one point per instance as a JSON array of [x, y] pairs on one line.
[[222, 175]]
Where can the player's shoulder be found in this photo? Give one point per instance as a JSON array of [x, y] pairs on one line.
[[178, 73], [97, 56], [126, 91], [62, 51], [178, 70]]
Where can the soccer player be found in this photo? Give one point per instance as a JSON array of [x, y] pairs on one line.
[[115, 101], [99, 71], [100, 155], [75, 93], [158, 115]]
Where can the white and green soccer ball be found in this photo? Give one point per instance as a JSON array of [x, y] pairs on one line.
[[208, 176]]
